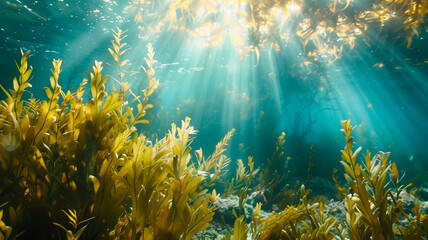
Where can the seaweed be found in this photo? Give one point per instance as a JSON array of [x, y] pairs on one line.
[[77, 231], [64, 153], [418, 226], [5, 230], [214, 168], [373, 209], [275, 173], [304, 221], [75, 169], [274, 179], [341, 190], [243, 183], [166, 202]]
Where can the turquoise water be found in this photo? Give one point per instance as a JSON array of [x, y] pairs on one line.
[[382, 88]]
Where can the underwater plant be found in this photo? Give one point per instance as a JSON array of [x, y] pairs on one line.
[[72, 168], [242, 181], [373, 209], [307, 220], [274, 175], [77, 231], [166, 201], [63, 153], [49, 154], [341, 190], [5, 230], [273, 188], [214, 168]]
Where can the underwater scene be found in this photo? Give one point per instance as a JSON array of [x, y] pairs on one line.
[[214, 119]]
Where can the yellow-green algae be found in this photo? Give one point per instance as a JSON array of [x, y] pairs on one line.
[[75, 169]]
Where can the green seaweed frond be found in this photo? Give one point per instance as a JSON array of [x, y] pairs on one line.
[[305, 221], [153, 83], [97, 87], [31, 106], [240, 227], [277, 164], [13, 107], [167, 202], [20, 84], [243, 177], [76, 232], [273, 186], [125, 113], [278, 225], [65, 153], [214, 168], [370, 214], [117, 52], [418, 225], [47, 113], [341, 190], [243, 182]]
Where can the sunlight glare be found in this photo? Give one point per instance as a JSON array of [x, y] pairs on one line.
[[293, 7]]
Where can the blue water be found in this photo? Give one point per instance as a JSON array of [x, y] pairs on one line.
[[219, 91]]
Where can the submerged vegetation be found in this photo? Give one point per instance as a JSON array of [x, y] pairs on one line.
[[323, 30], [68, 163], [77, 168]]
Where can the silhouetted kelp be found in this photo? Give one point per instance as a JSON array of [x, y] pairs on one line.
[[79, 169]]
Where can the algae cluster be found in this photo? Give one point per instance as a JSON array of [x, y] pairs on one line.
[[79, 169]]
